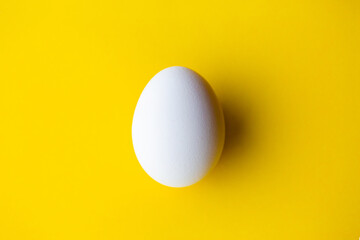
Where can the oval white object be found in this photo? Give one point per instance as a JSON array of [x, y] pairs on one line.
[[178, 127]]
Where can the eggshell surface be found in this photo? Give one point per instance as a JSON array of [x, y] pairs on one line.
[[178, 127]]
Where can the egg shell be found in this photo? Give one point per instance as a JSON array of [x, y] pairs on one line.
[[178, 127]]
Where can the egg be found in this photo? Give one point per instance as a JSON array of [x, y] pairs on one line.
[[178, 127]]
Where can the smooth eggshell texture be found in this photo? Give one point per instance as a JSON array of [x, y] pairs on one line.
[[178, 127]]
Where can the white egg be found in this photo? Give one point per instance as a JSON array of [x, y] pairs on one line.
[[178, 127]]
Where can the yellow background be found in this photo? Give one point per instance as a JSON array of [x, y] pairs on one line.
[[286, 72]]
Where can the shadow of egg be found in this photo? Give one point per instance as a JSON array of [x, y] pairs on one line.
[[239, 104], [238, 129]]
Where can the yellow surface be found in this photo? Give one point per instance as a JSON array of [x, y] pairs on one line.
[[287, 73]]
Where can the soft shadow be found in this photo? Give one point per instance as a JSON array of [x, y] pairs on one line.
[[235, 128], [239, 97], [237, 116], [244, 97], [239, 135]]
